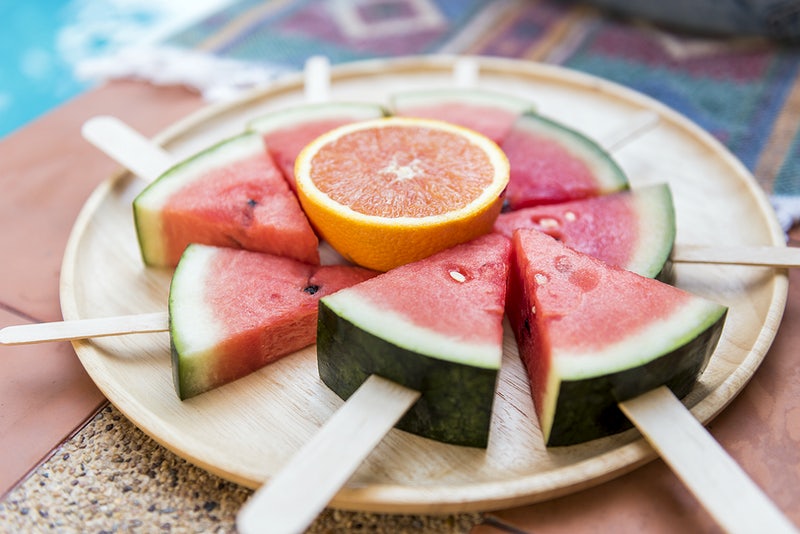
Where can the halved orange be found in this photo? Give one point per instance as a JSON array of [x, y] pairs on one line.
[[391, 191]]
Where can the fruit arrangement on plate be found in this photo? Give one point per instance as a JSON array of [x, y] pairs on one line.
[[565, 251], [417, 198]]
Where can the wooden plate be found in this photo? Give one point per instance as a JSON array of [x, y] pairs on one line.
[[247, 430]]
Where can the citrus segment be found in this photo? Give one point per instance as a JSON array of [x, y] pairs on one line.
[[390, 191]]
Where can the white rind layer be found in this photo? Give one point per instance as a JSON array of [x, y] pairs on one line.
[[654, 340], [192, 323], [397, 329], [656, 222]]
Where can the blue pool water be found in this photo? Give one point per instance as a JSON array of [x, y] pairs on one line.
[[44, 41]]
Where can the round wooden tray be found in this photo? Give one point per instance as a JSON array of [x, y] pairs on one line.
[[247, 430]]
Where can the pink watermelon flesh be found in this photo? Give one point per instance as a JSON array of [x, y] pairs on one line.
[[600, 330], [259, 308], [285, 144], [493, 122], [435, 326], [245, 204], [613, 228], [478, 302], [551, 164]]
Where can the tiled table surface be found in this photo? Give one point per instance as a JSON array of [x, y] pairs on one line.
[[100, 473]]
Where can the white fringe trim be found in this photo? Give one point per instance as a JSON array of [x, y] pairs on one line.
[[787, 208], [215, 78]]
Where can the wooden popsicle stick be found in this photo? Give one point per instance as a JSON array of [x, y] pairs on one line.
[[84, 328], [127, 147], [466, 71], [300, 491], [758, 256], [640, 123], [317, 79], [718, 482]]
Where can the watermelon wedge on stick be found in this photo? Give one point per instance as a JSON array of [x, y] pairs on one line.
[[377, 347], [435, 326], [592, 335], [234, 311], [230, 194], [633, 229], [553, 163]]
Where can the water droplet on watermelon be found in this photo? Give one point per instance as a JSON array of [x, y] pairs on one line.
[[562, 264], [541, 278], [585, 279], [458, 276], [546, 223]]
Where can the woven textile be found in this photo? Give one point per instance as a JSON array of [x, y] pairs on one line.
[[745, 91]]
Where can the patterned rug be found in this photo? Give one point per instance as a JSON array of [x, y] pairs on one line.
[[744, 91]]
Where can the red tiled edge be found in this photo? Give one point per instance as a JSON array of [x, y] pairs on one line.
[[46, 173]]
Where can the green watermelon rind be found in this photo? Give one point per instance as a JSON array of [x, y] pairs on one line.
[[302, 113], [148, 203], [481, 97], [587, 408], [347, 355]]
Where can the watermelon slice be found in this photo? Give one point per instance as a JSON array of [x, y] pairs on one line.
[[551, 163], [592, 335], [434, 326], [231, 194], [234, 311], [486, 112], [287, 131], [632, 229]]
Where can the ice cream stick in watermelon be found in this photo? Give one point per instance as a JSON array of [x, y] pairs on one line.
[[427, 360], [779, 257], [707, 470], [84, 328], [127, 147], [317, 79], [596, 339], [466, 71], [292, 499]]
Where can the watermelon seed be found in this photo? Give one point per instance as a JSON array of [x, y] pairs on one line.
[[541, 279], [252, 202], [311, 289], [457, 276], [548, 223], [570, 216]]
